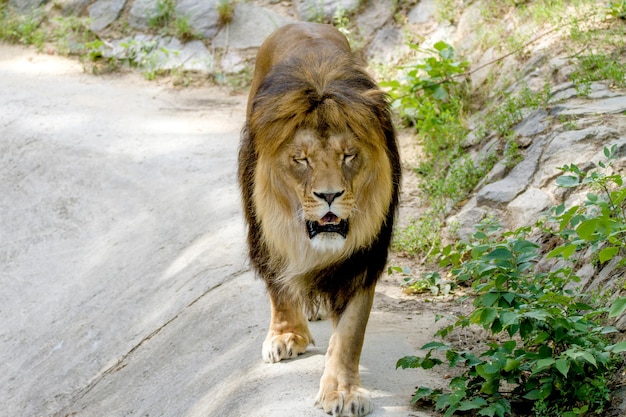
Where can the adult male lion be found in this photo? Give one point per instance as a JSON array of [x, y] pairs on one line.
[[319, 172]]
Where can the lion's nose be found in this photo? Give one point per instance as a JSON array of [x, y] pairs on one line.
[[329, 197]]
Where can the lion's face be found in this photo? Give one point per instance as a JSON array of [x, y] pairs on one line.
[[322, 193], [323, 171]]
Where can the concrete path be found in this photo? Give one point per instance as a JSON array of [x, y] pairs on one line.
[[124, 287]]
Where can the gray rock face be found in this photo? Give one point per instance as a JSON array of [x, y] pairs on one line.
[[316, 10], [526, 208], [609, 105], [140, 13], [202, 15], [25, 6], [72, 7], [504, 191], [242, 34], [104, 12], [537, 122], [377, 13], [162, 53], [423, 12]]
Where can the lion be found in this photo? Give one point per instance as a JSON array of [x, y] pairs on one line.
[[319, 172]]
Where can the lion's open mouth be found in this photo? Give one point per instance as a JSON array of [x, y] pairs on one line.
[[327, 224]]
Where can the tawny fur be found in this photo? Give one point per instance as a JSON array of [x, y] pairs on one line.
[[318, 125]]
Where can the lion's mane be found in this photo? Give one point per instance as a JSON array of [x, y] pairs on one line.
[[337, 96]]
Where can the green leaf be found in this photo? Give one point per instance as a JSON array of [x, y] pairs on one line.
[[489, 299], [563, 366], [499, 253], [618, 307], [509, 317], [409, 362], [619, 347], [587, 229], [567, 181], [511, 364], [565, 251], [607, 254], [542, 364], [421, 393], [589, 358], [487, 316], [532, 395], [488, 370], [435, 345], [472, 404]]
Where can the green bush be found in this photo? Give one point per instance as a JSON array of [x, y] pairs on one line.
[[428, 97], [549, 346]]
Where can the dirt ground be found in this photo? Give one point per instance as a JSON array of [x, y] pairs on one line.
[[125, 289]]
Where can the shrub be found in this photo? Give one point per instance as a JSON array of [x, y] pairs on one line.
[[548, 346]]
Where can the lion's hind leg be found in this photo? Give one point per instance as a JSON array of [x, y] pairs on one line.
[[289, 334], [340, 391]]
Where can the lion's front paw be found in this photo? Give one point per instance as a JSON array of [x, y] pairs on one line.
[[353, 402], [283, 346]]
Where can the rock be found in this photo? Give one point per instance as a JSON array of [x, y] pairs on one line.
[[140, 13], [72, 7], [201, 14], [250, 26], [461, 225], [324, 10], [526, 208], [577, 147], [483, 70], [504, 191], [609, 105], [423, 12], [585, 273], [535, 123], [162, 53], [561, 69], [608, 277], [25, 6], [232, 62], [387, 46], [104, 12], [375, 15], [563, 91], [601, 90], [193, 56]]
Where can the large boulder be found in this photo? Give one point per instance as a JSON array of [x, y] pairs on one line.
[[249, 27]]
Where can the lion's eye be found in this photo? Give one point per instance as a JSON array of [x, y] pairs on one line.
[[348, 157], [302, 161]]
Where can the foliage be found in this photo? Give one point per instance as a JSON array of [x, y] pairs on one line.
[[548, 345], [431, 282], [429, 97], [71, 35], [598, 223], [617, 8], [183, 30], [225, 11], [427, 84], [24, 29], [595, 67], [163, 14]]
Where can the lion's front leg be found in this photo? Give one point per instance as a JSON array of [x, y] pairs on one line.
[[289, 334], [340, 388]]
